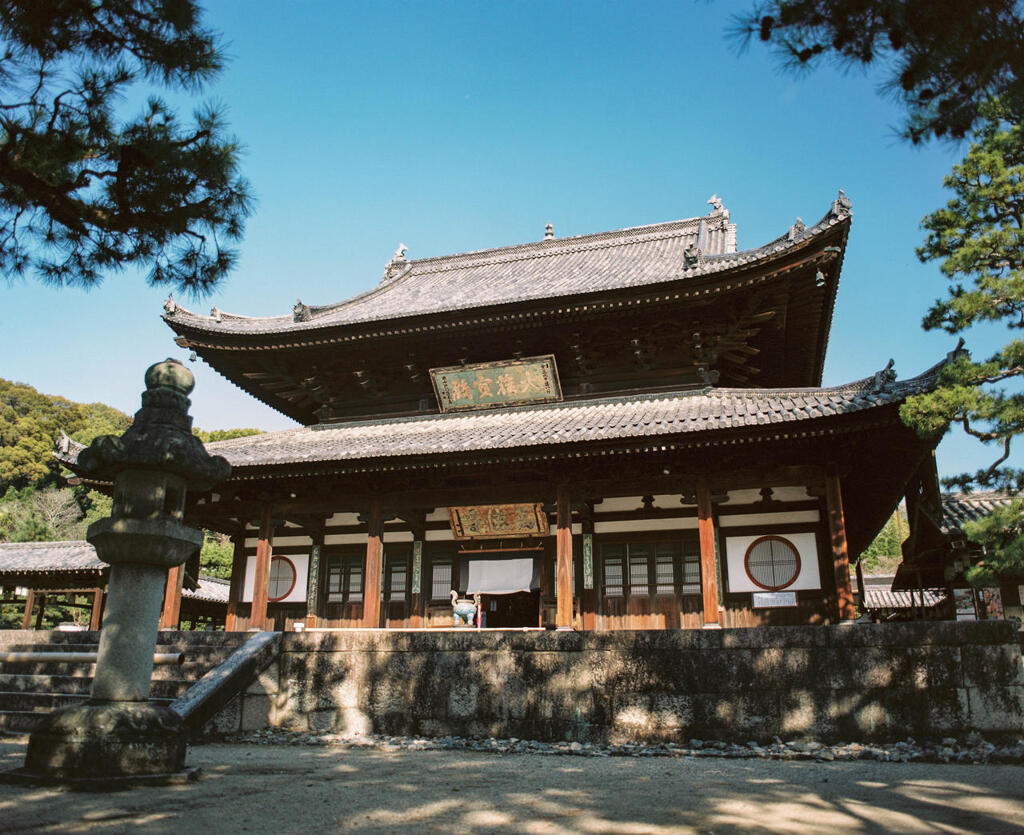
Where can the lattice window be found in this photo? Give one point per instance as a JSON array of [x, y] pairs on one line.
[[440, 580], [772, 562], [344, 579], [282, 578]]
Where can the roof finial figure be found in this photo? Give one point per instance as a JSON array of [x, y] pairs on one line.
[[169, 305], [397, 260], [797, 227], [884, 378], [842, 205], [549, 232], [301, 312], [716, 203], [215, 314]]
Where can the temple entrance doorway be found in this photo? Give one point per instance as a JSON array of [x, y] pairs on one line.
[[511, 611], [509, 585]]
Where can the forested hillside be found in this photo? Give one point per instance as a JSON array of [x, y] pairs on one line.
[[35, 502]]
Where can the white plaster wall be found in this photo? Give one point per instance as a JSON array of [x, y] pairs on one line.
[[298, 593], [683, 524], [744, 520], [806, 545]]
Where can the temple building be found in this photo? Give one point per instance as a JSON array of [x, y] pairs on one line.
[[623, 430]]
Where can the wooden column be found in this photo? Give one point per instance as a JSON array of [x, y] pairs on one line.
[[96, 615], [30, 602], [374, 565], [42, 611], [262, 575], [588, 595], [708, 562], [417, 598], [235, 590], [845, 610], [313, 578], [563, 555], [170, 615]]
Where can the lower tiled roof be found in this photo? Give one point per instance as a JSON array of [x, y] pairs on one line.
[[958, 508], [49, 558], [580, 421], [886, 599], [79, 557]]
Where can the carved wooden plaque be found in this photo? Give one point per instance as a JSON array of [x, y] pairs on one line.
[[489, 385], [494, 521]]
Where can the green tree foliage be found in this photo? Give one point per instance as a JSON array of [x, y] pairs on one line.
[[978, 240], [217, 555], [885, 553], [85, 190], [224, 434], [29, 425], [1001, 537], [943, 58]]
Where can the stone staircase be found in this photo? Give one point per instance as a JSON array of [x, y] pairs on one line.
[[29, 690]]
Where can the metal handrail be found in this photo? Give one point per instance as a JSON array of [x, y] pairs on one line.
[[175, 658]]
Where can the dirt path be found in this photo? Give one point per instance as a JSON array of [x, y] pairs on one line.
[[273, 788]]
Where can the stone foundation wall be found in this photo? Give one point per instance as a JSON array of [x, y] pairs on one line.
[[852, 683]]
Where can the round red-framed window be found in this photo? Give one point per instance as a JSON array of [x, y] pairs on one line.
[[282, 578], [772, 563]]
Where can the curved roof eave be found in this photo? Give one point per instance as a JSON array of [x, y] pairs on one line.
[[386, 302]]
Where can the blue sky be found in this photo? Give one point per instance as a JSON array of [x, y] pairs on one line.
[[454, 126]]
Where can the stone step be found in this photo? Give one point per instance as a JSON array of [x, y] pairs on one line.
[[193, 670], [166, 687], [20, 721], [47, 702]]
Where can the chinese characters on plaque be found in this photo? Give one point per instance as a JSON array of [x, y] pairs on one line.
[[494, 521], [492, 384]]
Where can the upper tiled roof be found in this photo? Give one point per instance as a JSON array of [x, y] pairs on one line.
[[958, 508], [661, 415], [551, 268]]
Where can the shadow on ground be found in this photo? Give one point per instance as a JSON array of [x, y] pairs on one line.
[[264, 788]]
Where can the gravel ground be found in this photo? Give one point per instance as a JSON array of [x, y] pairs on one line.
[[295, 782]]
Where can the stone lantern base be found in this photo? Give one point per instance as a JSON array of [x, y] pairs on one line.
[[102, 745]]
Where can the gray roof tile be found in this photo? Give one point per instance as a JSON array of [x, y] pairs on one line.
[[958, 508], [79, 557], [661, 415], [559, 267]]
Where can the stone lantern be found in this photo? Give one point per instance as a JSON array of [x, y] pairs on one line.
[[118, 733]]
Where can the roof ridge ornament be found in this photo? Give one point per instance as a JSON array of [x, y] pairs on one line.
[[797, 227], [215, 313], [170, 306], [717, 208], [398, 260], [549, 232], [301, 312], [842, 206], [884, 378]]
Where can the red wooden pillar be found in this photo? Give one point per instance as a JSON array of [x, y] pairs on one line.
[[845, 610], [235, 590], [374, 555], [708, 563], [30, 602], [262, 574], [171, 613], [96, 615], [563, 555]]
